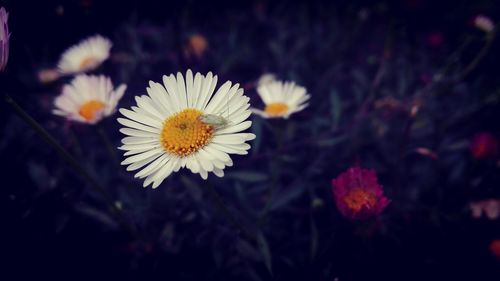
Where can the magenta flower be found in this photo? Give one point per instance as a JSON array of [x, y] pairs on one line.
[[484, 145], [4, 38], [434, 39], [358, 195], [495, 248]]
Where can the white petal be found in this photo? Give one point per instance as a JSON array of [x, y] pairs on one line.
[[139, 164], [139, 140], [218, 97], [138, 126], [144, 119], [142, 156], [236, 128], [218, 172], [138, 133], [181, 90], [153, 166]]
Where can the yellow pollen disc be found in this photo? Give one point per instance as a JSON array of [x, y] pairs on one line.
[[276, 109], [88, 63], [358, 198], [183, 134], [90, 109]]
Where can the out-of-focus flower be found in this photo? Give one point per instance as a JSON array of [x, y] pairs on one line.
[[414, 4], [182, 123], [4, 38], [59, 10], [363, 14], [87, 4], [281, 99], [85, 56], [495, 248], [484, 145], [196, 46], [434, 39], [490, 207], [265, 79], [389, 106], [88, 99], [48, 75], [426, 152], [425, 78], [484, 23], [358, 195]]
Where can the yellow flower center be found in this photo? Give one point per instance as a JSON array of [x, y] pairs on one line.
[[90, 109], [276, 109], [88, 63], [358, 198], [183, 134]]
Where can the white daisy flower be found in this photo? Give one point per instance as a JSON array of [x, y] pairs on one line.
[[182, 123], [281, 99], [85, 56], [88, 99], [266, 78]]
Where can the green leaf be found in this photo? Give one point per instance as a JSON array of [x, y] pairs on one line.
[[97, 215], [460, 145], [314, 239], [359, 93], [247, 250], [335, 108], [248, 176], [192, 187], [360, 77], [288, 195], [331, 141], [265, 251]]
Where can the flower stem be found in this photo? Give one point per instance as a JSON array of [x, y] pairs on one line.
[[222, 207], [72, 162], [273, 190], [107, 142], [478, 58]]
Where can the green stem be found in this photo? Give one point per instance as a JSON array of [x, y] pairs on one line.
[[107, 142], [478, 58], [222, 207], [72, 162], [272, 192], [280, 135]]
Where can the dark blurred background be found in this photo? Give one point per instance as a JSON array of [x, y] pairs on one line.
[[42, 236]]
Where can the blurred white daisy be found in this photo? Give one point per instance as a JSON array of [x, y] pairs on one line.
[[182, 123], [281, 99], [85, 56], [88, 99], [266, 78], [484, 23]]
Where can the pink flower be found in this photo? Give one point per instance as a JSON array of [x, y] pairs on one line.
[[434, 39], [495, 248], [48, 75], [490, 207], [484, 23], [484, 145], [4, 38], [426, 152], [358, 195]]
